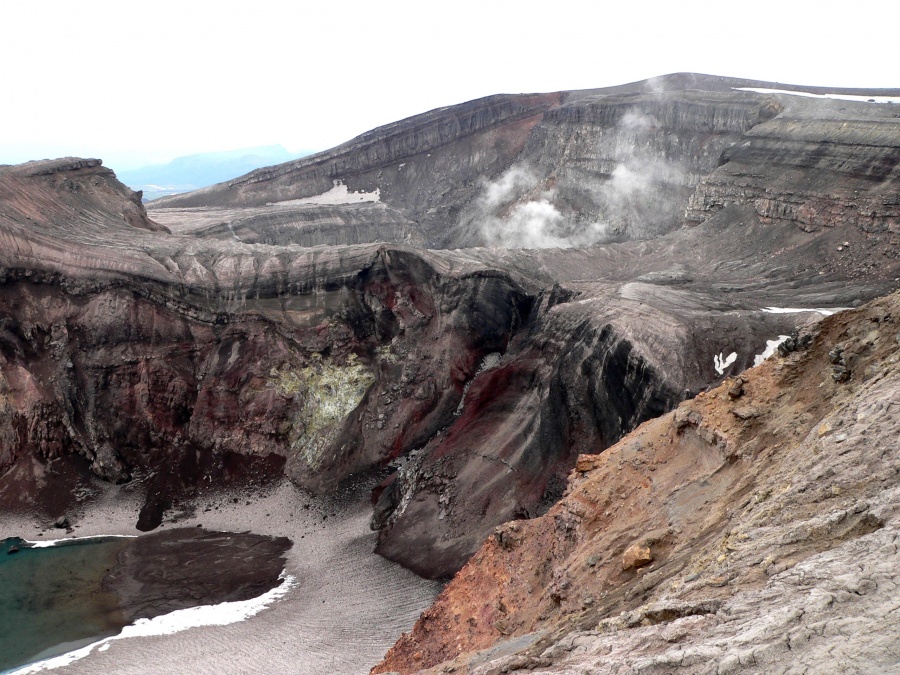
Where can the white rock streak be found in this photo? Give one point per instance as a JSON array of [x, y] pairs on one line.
[[771, 346], [53, 542], [824, 311], [339, 194]]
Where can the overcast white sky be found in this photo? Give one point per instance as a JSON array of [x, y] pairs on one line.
[[137, 82]]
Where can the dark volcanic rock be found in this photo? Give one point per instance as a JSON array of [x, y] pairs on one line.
[[246, 344], [426, 164], [629, 162]]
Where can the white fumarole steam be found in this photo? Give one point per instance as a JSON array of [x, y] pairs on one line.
[[514, 212], [535, 223]]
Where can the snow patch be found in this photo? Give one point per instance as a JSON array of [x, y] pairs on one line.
[[836, 97], [337, 195], [771, 346], [721, 363], [205, 615], [824, 311], [54, 542]]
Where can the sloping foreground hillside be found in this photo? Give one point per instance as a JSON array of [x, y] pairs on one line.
[[754, 529]]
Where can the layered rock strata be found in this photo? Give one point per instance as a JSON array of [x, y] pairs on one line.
[[586, 167], [208, 344], [304, 225], [752, 529], [253, 364]]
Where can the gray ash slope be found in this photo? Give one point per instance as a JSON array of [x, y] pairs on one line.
[[253, 329]]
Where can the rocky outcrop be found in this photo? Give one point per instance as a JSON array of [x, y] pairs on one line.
[[152, 383], [176, 364], [829, 172], [576, 379], [753, 528], [50, 192]]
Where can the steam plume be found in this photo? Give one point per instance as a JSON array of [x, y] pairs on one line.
[[522, 210]]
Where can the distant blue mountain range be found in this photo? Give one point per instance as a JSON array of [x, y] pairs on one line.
[[190, 172]]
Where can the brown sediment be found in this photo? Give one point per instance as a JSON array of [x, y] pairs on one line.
[[186, 567]]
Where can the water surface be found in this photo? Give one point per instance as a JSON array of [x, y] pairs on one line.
[[52, 598]]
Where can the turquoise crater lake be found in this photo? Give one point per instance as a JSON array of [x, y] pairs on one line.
[[56, 599], [52, 598]]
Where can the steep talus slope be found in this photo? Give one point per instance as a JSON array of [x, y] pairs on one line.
[[753, 529], [518, 428], [594, 360], [598, 357]]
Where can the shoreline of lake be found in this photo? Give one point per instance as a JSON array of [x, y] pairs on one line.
[[90, 588], [345, 608]]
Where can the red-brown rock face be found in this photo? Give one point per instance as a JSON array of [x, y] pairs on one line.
[[721, 536], [150, 383]]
